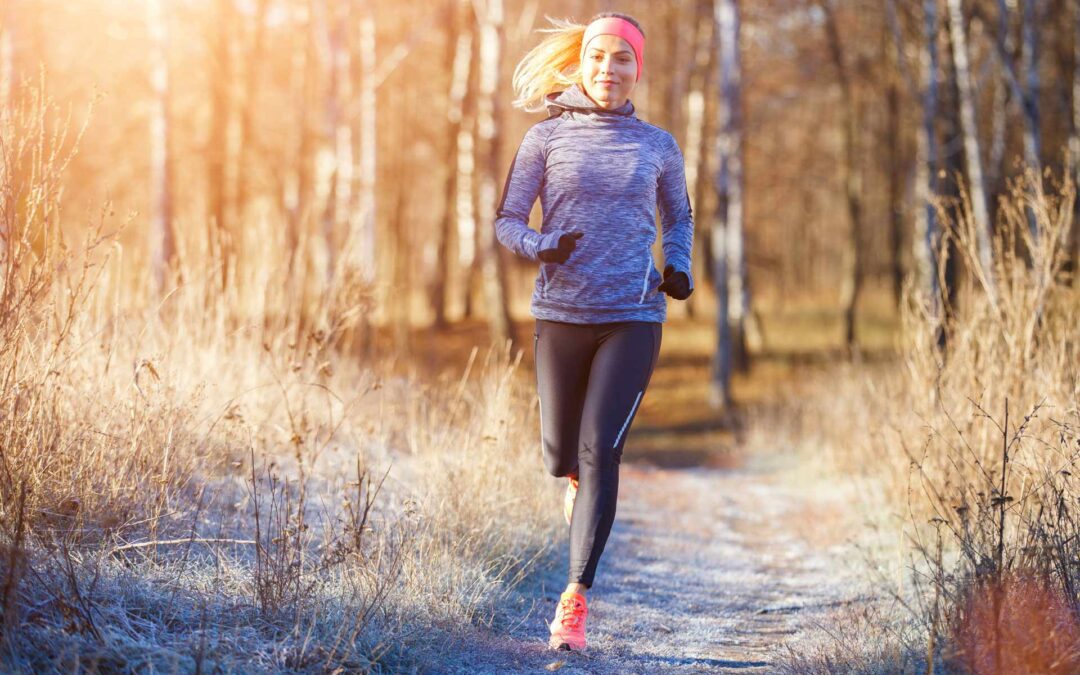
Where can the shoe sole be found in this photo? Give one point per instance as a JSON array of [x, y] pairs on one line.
[[561, 645]]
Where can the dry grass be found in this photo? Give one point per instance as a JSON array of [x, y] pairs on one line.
[[968, 451], [212, 480]]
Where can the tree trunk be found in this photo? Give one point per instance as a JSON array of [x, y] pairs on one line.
[[459, 48], [301, 197], [489, 127], [7, 101], [1030, 65], [696, 155], [217, 151], [400, 301], [1026, 94], [727, 225], [249, 109], [7, 60], [162, 235], [852, 182], [926, 236], [362, 241], [894, 166], [466, 205], [972, 154], [335, 179], [1074, 143]]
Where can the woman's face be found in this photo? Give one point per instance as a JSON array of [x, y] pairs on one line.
[[609, 71]]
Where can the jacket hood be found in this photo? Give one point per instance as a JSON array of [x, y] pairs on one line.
[[576, 100]]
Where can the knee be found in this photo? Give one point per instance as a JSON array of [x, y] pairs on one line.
[[598, 455], [559, 462]]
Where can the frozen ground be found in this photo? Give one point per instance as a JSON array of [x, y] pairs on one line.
[[706, 570]]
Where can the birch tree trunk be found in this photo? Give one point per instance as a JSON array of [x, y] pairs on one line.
[[217, 151], [727, 225], [699, 106], [853, 281], [459, 47], [301, 185], [1030, 64], [361, 239], [7, 60], [1025, 94], [249, 109], [1074, 142], [7, 100], [466, 188], [162, 235], [400, 304], [894, 167], [335, 176], [362, 220], [489, 127], [972, 154], [926, 236]]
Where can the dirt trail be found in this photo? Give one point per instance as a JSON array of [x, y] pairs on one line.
[[716, 561], [707, 570]]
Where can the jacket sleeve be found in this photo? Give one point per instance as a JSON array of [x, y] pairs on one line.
[[520, 191], [676, 217]]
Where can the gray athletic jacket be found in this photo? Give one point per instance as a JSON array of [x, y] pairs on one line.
[[602, 173]]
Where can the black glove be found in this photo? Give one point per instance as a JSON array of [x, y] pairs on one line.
[[560, 254], [676, 284]]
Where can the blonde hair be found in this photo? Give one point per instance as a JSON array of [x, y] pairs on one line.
[[555, 63]]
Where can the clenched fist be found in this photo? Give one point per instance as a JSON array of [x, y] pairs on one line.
[[676, 284], [561, 253]]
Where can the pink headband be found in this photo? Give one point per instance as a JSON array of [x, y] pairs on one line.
[[613, 25]]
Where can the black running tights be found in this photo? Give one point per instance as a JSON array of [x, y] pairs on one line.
[[591, 379]]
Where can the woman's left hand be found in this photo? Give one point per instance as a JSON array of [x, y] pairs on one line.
[[675, 284]]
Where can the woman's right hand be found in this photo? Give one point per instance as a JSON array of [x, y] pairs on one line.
[[561, 253]]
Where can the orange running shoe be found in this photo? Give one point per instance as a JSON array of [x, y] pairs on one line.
[[571, 495], [568, 628]]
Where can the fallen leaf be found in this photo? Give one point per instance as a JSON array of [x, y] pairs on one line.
[[555, 665]]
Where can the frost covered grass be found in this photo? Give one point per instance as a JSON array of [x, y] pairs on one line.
[[212, 480], [967, 451]]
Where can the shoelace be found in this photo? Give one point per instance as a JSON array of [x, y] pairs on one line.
[[571, 612]]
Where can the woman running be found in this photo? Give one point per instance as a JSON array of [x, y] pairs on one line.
[[599, 172]]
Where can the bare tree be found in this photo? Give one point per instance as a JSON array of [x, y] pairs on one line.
[[925, 239], [1074, 140], [727, 243], [362, 222], [246, 133], [466, 186], [335, 179], [970, 131], [894, 161], [217, 150], [1024, 93], [853, 277], [698, 109], [7, 100], [459, 48], [162, 236], [361, 237], [489, 128], [1030, 65], [301, 179], [7, 58], [925, 234]]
